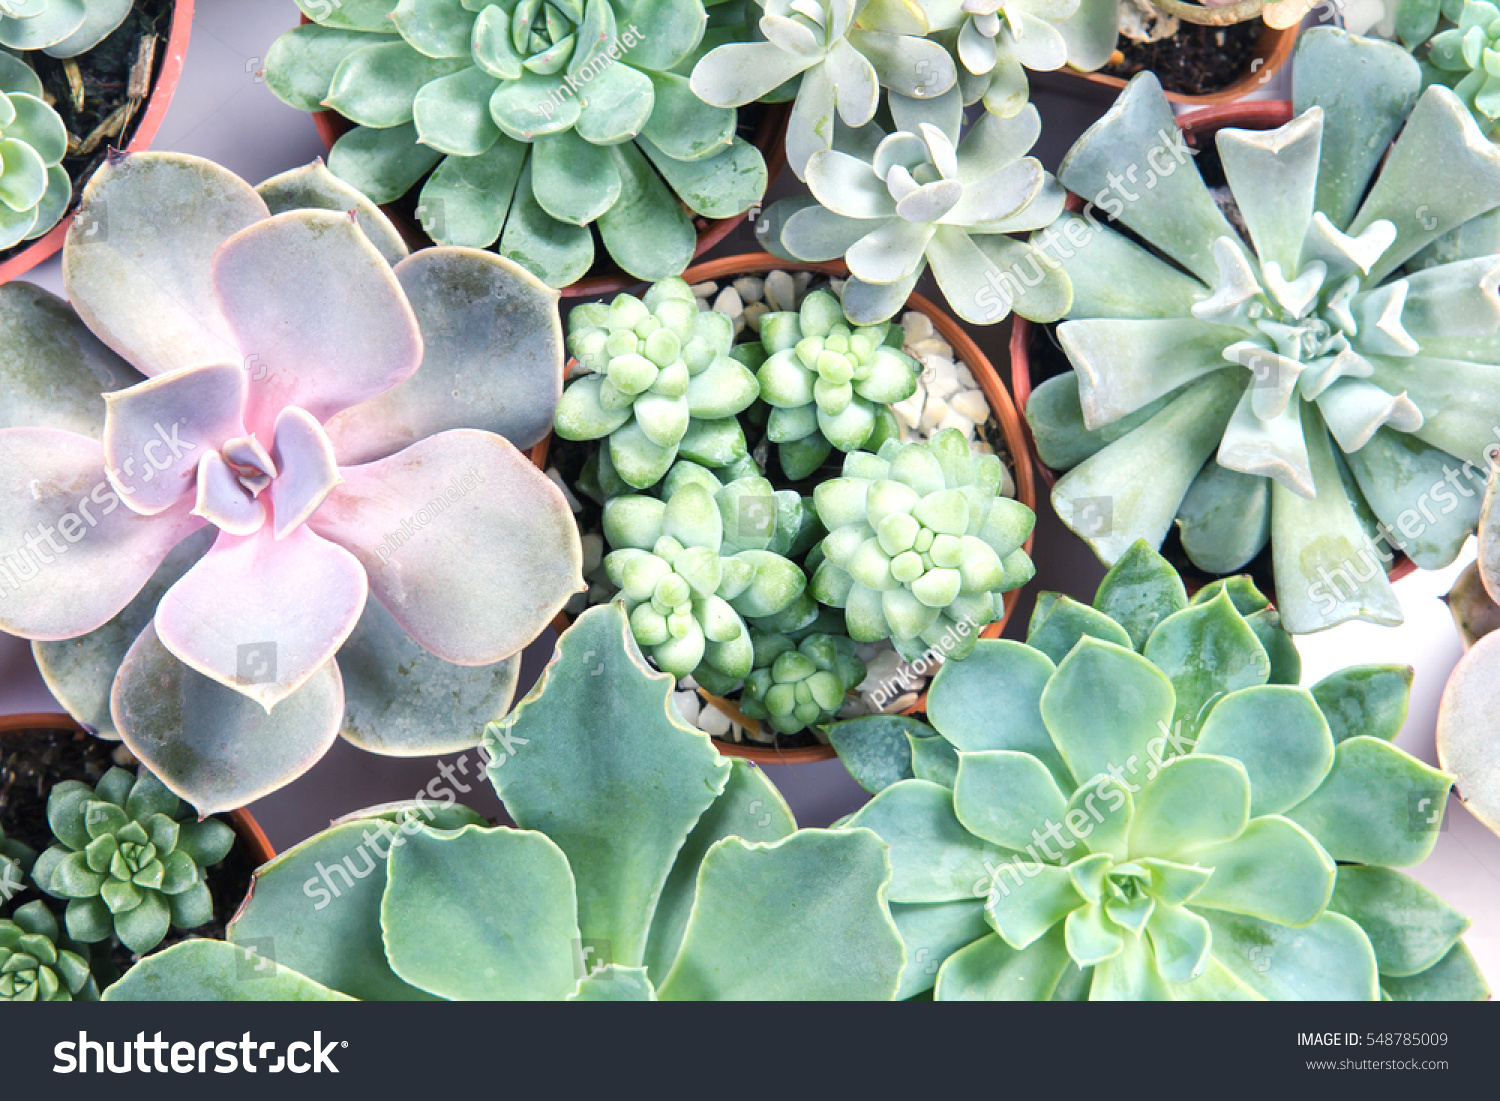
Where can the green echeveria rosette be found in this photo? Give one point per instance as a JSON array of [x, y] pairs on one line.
[[60, 28], [531, 121], [1140, 803], [38, 964], [16, 860], [34, 187], [688, 592], [130, 859], [1466, 58], [799, 684], [1308, 384], [920, 544], [660, 379], [828, 383]]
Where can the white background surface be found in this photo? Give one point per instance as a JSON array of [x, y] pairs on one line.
[[222, 111]]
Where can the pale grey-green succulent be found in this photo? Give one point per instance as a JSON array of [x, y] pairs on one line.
[[531, 121], [60, 28], [797, 684], [644, 867], [653, 367], [34, 186], [1140, 803], [1324, 380], [921, 546]]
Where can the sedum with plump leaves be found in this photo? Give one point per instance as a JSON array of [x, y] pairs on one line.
[[34, 186], [1309, 385], [652, 366], [1140, 803], [225, 518], [60, 28], [531, 121], [1461, 55], [930, 193], [921, 546], [644, 866], [130, 859], [38, 964], [797, 684], [828, 384], [840, 52]]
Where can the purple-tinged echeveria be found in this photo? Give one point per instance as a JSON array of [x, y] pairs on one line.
[[282, 407]]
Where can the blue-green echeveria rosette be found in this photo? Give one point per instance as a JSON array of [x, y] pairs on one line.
[[921, 546], [34, 186], [530, 120], [645, 866], [932, 192], [651, 367], [841, 52], [130, 859], [177, 616], [60, 28], [38, 963], [1311, 386], [1139, 803]]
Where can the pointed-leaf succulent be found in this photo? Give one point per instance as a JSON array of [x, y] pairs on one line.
[[644, 867], [921, 546], [1139, 803], [130, 859], [39, 964], [531, 121], [284, 410], [60, 28], [34, 186], [892, 203], [652, 366], [1311, 383]]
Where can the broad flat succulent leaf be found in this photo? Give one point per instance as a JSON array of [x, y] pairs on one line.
[[877, 749], [1465, 730], [216, 971], [313, 187]]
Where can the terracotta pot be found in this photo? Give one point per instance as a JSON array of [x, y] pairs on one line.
[[770, 138], [247, 830], [1011, 427], [145, 133], [1198, 127], [1272, 50]]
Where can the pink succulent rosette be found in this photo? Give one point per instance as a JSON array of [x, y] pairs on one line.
[[339, 422]]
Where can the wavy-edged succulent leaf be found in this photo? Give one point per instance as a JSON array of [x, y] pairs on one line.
[[490, 335], [216, 971], [213, 746], [933, 932], [313, 187], [785, 919], [662, 776], [1466, 742]]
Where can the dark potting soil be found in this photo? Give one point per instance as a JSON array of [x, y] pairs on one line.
[[102, 94], [32, 762], [1196, 60]]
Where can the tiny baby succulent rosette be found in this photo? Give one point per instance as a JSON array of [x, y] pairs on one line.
[[38, 963], [721, 896], [796, 685], [530, 121], [926, 191], [1462, 56], [1313, 382], [1140, 803], [34, 186], [59, 28], [130, 859], [190, 552]]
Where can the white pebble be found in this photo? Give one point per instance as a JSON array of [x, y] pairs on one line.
[[713, 721], [954, 419], [729, 302], [802, 280], [749, 288], [900, 703], [781, 292], [934, 412], [593, 552], [688, 705], [918, 326], [754, 312], [557, 479], [909, 412], [763, 735], [704, 290], [933, 346], [971, 404]]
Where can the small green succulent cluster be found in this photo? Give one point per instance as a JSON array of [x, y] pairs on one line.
[[60, 28], [920, 545], [1140, 803], [34, 186], [16, 860], [38, 964], [130, 859], [829, 384], [1464, 56], [655, 366], [798, 684]]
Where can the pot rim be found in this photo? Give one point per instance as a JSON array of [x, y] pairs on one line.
[[1261, 114], [247, 830], [146, 130], [1272, 50], [1012, 428]]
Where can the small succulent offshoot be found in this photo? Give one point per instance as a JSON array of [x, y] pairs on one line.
[[38, 964], [799, 684], [34, 186], [130, 859]]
